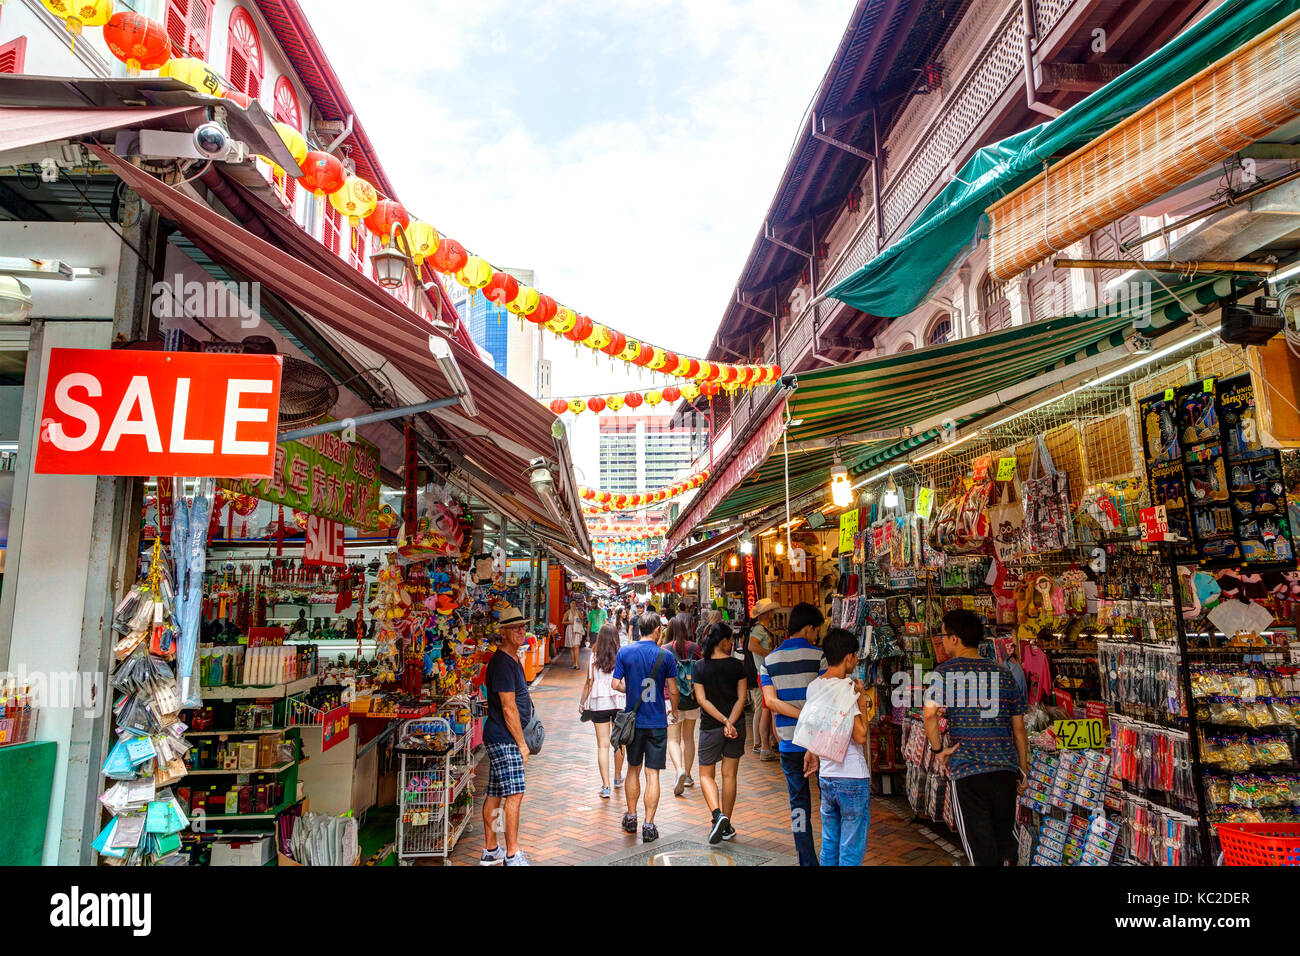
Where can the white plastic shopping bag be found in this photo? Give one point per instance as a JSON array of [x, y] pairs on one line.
[[826, 722]]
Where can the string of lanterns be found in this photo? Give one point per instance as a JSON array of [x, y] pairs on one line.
[[606, 501], [614, 403]]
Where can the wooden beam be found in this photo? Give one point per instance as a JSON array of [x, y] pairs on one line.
[[1078, 77]]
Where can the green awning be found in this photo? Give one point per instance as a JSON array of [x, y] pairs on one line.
[[900, 278], [905, 389]]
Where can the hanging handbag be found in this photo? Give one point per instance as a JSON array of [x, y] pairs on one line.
[[1047, 504], [623, 726], [1007, 520]]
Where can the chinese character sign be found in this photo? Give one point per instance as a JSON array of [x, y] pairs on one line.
[[324, 476]]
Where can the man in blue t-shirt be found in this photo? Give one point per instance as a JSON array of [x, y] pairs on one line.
[[509, 709], [784, 676], [647, 673], [988, 757]]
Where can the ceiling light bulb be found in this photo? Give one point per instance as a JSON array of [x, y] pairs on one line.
[[841, 493]]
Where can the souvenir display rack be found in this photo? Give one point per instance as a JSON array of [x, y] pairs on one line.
[[435, 788]]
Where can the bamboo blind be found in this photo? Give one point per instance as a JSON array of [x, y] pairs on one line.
[[1230, 104]]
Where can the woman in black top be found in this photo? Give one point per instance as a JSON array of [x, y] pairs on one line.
[[720, 690]]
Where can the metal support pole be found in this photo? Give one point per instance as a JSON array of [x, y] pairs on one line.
[[384, 415]]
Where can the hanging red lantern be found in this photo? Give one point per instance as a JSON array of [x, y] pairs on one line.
[[688, 368], [617, 342], [709, 389], [672, 393], [604, 497], [596, 404], [450, 256], [581, 329], [559, 406], [645, 356], [140, 43], [388, 213], [545, 310], [633, 399], [620, 500], [322, 174], [671, 361], [502, 288], [242, 100]]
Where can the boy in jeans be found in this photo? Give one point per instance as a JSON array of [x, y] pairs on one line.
[[845, 785]]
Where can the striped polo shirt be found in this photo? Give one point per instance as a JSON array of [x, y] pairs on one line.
[[790, 669]]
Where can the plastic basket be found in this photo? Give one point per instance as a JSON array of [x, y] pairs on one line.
[[1260, 844]]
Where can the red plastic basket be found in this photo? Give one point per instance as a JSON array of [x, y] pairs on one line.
[[1260, 844]]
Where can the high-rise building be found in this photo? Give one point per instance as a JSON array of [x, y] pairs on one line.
[[641, 453], [515, 347]]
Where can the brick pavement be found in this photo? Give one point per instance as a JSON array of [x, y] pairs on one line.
[[565, 822]]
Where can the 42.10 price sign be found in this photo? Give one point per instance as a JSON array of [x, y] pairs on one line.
[[1079, 734]]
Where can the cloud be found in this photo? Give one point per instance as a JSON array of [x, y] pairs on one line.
[[625, 151]]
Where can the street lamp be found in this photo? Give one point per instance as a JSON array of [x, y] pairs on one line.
[[15, 299], [391, 262], [841, 493]]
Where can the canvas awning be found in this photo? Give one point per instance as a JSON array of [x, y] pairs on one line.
[[692, 556], [511, 425], [901, 277], [914, 391], [22, 127], [1246, 95]]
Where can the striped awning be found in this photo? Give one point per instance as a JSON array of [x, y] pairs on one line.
[[909, 389]]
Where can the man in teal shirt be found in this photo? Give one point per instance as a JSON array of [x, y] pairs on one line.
[[596, 620]]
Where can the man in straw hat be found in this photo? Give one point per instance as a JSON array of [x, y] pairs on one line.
[[509, 709], [761, 643]]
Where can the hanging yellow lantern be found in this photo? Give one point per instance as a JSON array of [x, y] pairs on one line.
[[653, 398], [690, 391], [422, 239], [293, 141], [475, 274], [630, 351], [598, 339], [76, 14], [614, 402], [577, 406], [525, 303], [706, 369], [564, 321], [659, 360], [193, 73], [356, 200]]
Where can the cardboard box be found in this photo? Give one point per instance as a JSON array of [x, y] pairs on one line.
[[243, 852]]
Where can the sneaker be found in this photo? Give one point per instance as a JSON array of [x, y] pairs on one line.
[[519, 859], [618, 782], [604, 793], [493, 857], [767, 756], [649, 833], [629, 823], [755, 748], [728, 832], [689, 781], [719, 827], [680, 785]]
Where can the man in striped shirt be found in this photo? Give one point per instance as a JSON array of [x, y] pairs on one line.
[[784, 676]]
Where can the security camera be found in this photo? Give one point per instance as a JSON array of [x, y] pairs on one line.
[[212, 141], [789, 381]]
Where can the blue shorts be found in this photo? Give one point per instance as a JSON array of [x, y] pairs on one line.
[[506, 770]]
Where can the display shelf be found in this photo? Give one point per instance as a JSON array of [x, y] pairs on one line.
[[256, 692], [229, 773], [235, 733]]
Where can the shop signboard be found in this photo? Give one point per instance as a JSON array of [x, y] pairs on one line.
[[753, 454], [322, 475], [334, 726], [753, 580], [324, 543], [144, 413]]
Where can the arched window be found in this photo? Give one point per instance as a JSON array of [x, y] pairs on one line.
[[994, 304], [244, 57], [907, 346], [287, 111], [940, 330]]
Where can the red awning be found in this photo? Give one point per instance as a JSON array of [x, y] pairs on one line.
[[21, 126], [310, 278]]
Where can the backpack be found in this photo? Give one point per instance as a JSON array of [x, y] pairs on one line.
[[686, 676]]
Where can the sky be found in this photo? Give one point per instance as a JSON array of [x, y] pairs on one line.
[[625, 150]]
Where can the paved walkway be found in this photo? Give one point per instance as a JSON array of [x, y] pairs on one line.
[[564, 821]]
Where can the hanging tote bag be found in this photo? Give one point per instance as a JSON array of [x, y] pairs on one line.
[[623, 726], [1047, 504], [1007, 520]]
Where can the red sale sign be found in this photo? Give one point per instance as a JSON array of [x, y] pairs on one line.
[[118, 412], [334, 726], [324, 545]]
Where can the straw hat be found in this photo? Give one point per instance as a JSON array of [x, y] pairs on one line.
[[765, 606]]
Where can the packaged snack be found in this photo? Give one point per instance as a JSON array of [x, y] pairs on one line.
[[1218, 790], [1235, 754], [1226, 710]]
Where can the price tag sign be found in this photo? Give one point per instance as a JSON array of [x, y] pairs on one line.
[[1079, 734], [1155, 523], [1208, 387], [982, 468], [334, 726], [1006, 468], [924, 502], [1095, 710], [848, 528]]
